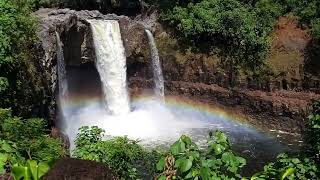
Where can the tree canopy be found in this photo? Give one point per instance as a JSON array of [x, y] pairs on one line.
[[18, 84]]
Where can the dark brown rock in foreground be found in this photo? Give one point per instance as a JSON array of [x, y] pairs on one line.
[[75, 169]]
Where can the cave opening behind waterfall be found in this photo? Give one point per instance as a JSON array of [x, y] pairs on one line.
[[82, 76], [84, 83]]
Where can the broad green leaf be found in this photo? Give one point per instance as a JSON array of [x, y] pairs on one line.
[[188, 176], [33, 167], [2, 167], [227, 157], [175, 148], [195, 172], [218, 149], [287, 173], [205, 174], [211, 163], [162, 178], [43, 168], [242, 161], [178, 147], [161, 164], [6, 147], [194, 154], [19, 172], [3, 157], [186, 139], [184, 164], [221, 137]]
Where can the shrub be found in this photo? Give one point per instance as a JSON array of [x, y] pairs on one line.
[[316, 28], [20, 88], [313, 132], [268, 12], [186, 161], [120, 153], [30, 137], [9, 156], [288, 168]]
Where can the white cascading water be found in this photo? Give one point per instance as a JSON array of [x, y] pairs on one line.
[[156, 66], [62, 74], [111, 64], [62, 84]]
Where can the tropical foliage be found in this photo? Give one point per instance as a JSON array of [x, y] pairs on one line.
[[226, 24], [20, 88], [30, 137], [186, 161], [9, 156], [286, 167], [25, 148], [238, 32], [313, 132], [12, 161], [31, 171], [121, 154]]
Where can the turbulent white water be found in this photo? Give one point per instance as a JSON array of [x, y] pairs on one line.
[[111, 64], [62, 74], [157, 69]]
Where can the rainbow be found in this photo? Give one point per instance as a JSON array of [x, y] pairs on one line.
[[193, 105], [211, 111]]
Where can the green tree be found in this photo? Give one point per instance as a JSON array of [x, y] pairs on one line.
[[228, 25], [20, 87], [31, 137]]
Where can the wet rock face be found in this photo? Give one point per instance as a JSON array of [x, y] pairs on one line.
[[282, 110], [76, 36]]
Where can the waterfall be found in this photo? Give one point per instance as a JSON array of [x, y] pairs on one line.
[[62, 74], [111, 64], [156, 65]]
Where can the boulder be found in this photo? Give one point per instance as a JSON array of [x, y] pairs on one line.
[[75, 169]]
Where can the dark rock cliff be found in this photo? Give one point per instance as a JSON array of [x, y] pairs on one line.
[[76, 37]]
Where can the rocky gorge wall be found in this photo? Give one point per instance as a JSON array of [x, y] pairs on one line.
[[194, 75], [286, 63]]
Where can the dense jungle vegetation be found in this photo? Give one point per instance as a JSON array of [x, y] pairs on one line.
[[237, 29]]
